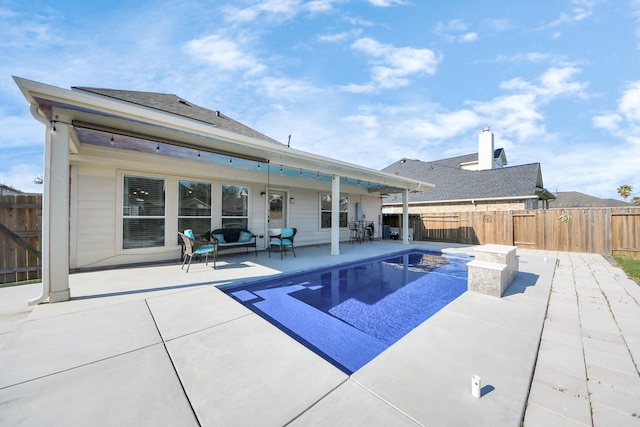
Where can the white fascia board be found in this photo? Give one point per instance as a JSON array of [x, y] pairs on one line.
[[126, 110], [486, 199]]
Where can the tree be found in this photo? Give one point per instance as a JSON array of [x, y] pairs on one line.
[[625, 191], [38, 179], [636, 201]]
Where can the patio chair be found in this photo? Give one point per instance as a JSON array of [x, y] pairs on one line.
[[354, 232], [283, 241], [193, 247], [368, 232]]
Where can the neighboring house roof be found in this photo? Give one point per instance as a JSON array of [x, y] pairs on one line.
[[5, 190], [175, 105], [455, 184], [575, 199]]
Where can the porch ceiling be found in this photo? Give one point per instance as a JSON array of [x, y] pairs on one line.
[[173, 149]]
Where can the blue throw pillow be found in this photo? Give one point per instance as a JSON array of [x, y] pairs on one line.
[[245, 236], [189, 234], [219, 238]]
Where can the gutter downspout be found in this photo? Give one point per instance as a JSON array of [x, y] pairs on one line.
[[45, 264]]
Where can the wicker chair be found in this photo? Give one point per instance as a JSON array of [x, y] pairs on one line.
[[193, 247]]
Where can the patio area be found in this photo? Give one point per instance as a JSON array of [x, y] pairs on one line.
[[155, 346]]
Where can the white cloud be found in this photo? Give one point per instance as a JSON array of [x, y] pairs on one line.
[[393, 66], [455, 30], [270, 9], [386, 3], [276, 10], [316, 6], [534, 57], [582, 9], [513, 116], [24, 32], [468, 37], [608, 121], [625, 121], [368, 123], [286, 89], [517, 116], [556, 81], [441, 126], [629, 104], [635, 12], [339, 37], [223, 53]]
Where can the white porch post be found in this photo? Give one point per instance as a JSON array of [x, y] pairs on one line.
[[55, 215], [405, 217], [335, 215]]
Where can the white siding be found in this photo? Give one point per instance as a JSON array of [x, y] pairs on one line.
[[96, 205]]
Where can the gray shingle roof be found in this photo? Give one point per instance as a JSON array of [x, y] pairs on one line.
[[180, 107], [575, 199], [453, 183], [455, 162]]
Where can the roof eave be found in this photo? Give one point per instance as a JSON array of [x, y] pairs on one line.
[[129, 111], [470, 200]]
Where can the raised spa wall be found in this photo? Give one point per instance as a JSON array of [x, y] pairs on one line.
[[494, 268]]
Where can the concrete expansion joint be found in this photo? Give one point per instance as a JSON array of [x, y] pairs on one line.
[[582, 335], [72, 368], [386, 402], [173, 364], [626, 344], [316, 402]]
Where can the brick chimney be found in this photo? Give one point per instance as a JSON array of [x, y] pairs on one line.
[[485, 150]]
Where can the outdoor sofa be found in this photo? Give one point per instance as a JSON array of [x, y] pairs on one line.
[[232, 238]]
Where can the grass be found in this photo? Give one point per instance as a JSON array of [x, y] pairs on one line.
[[630, 265]]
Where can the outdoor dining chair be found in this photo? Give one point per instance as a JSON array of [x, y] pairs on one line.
[[283, 241], [354, 232], [193, 247]]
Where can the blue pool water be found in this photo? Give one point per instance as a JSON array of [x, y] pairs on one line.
[[349, 314]]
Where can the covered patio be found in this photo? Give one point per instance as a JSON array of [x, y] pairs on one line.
[[118, 162]]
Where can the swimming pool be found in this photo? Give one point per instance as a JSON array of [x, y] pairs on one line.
[[350, 313]]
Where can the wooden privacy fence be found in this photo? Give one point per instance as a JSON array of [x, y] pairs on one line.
[[594, 230], [20, 237]]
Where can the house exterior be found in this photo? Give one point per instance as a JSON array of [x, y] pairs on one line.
[[126, 171], [5, 190], [475, 182]]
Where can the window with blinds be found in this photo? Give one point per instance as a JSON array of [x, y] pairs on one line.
[[143, 213], [194, 207]]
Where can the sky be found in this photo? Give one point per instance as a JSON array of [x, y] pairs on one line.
[[365, 81]]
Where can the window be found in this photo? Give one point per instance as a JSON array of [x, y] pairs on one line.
[[143, 212], [531, 204], [235, 206], [194, 206], [325, 210]]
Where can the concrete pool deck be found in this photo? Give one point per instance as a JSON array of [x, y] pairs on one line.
[[156, 346]]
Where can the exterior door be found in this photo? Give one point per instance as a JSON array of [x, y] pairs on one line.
[[277, 209]]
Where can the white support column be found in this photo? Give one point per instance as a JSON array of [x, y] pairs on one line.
[[335, 215], [55, 215], [405, 217]]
